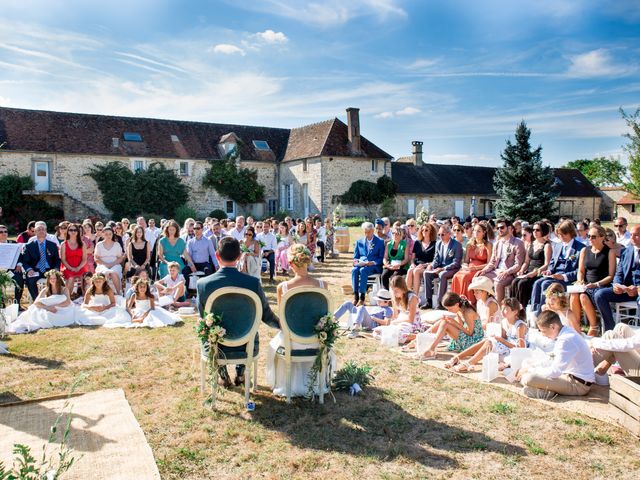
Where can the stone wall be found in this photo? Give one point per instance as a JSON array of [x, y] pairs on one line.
[[294, 173], [579, 207]]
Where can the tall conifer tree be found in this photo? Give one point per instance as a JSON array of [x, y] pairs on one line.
[[526, 189]]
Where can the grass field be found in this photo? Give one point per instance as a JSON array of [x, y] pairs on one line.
[[413, 422]]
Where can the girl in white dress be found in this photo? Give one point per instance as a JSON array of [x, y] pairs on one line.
[[299, 258], [406, 316], [52, 308], [99, 307], [141, 307], [109, 256]]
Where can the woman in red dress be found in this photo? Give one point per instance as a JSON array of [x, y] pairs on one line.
[[478, 253], [73, 256]]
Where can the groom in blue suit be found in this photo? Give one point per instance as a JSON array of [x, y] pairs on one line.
[[367, 260], [625, 282]]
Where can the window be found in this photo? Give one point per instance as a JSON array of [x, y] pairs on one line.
[[261, 145], [175, 139], [425, 205], [411, 206], [228, 148], [305, 165], [287, 196], [138, 165], [558, 182], [115, 142], [230, 207], [184, 169], [272, 206], [132, 137], [374, 165]]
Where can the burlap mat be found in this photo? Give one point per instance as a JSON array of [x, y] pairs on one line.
[[104, 433]]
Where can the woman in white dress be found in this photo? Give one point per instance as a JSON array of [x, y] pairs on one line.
[[142, 311], [250, 261], [99, 307], [52, 308], [299, 258], [109, 256]]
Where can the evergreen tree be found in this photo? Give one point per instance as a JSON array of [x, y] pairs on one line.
[[525, 187]]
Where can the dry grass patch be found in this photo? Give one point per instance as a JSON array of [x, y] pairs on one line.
[[414, 422]]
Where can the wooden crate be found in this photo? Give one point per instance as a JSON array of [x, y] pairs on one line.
[[625, 396]]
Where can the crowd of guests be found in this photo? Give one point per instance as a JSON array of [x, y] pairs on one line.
[[493, 281]]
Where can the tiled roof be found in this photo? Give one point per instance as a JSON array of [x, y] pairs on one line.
[[628, 199], [330, 139], [433, 178], [57, 132]]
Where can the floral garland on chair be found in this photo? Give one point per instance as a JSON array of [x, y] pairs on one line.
[[211, 332], [327, 331]]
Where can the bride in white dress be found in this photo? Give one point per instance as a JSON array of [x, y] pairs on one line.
[[52, 308], [299, 258], [99, 307], [142, 311]]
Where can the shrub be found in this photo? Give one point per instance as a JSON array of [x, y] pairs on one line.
[[231, 181], [281, 215], [184, 212], [354, 221], [218, 213]]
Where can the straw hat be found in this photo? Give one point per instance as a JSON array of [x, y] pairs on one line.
[[482, 283]]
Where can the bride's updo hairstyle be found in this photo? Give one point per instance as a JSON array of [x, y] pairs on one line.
[[299, 255]]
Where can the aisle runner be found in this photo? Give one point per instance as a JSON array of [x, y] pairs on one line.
[[104, 431]]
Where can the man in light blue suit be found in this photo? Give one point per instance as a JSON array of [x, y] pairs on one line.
[[367, 260], [446, 262]]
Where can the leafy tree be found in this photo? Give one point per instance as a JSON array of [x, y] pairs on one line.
[[525, 187], [601, 171], [369, 194], [633, 149], [127, 193], [232, 181]]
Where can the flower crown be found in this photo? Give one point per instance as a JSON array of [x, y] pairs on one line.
[[555, 293], [299, 255]]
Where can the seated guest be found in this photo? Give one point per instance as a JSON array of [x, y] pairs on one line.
[[424, 249], [570, 373], [99, 306], [464, 327], [89, 239], [622, 345], [173, 285], [596, 269], [138, 252], [582, 233], [623, 236], [330, 235], [51, 308], [557, 300], [172, 248], [405, 316], [458, 234], [379, 227], [446, 263], [625, 281], [563, 266], [39, 256], [368, 317], [250, 261], [368, 254], [478, 253], [412, 228], [284, 241], [506, 259], [201, 251], [73, 256], [396, 257], [142, 311], [61, 231], [270, 245], [28, 233], [527, 236], [486, 304], [17, 273], [537, 261], [109, 257], [610, 240]]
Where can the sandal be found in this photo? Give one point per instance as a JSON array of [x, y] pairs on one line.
[[453, 362], [410, 347], [464, 367], [593, 332]]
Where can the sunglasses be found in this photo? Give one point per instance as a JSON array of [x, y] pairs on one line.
[[621, 225], [537, 230], [248, 235], [411, 226], [3, 231], [72, 230], [197, 228], [501, 227], [396, 233], [593, 237]]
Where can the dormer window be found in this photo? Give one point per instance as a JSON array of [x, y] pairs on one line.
[[228, 144], [132, 137], [261, 145], [228, 148]]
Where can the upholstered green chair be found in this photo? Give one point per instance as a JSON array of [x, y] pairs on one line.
[[300, 311], [241, 312]]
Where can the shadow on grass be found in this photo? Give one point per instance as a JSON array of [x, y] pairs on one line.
[[47, 363], [371, 425]]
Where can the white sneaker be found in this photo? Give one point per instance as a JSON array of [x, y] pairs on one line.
[[538, 393], [355, 333]]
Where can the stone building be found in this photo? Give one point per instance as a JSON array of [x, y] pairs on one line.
[[448, 190], [303, 169]]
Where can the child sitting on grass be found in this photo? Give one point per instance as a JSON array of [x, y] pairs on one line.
[[405, 316], [514, 334], [368, 317], [558, 301], [173, 285]]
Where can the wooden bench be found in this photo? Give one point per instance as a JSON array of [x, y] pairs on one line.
[[625, 396]]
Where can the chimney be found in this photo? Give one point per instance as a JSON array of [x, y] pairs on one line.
[[417, 153], [353, 124]]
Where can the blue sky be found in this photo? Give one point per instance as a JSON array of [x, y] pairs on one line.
[[458, 75]]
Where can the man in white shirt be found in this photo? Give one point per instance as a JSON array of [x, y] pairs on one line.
[[237, 232], [582, 230], [151, 233], [571, 371], [266, 236], [622, 234], [622, 345]]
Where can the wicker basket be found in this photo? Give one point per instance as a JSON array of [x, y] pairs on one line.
[[347, 289]]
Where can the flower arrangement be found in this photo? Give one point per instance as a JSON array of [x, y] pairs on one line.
[[261, 243], [244, 248], [338, 215], [299, 255], [211, 332], [422, 217], [327, 331], [352, 377]]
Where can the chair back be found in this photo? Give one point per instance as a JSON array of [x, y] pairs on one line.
[[300, 311], [241, 312]]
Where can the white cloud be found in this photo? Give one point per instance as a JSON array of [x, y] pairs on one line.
[[384, 115], [227, 49], [596, 63], [269, 36], [408, 111], [421, 63]]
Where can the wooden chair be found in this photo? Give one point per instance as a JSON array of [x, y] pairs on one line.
[[241, 312], [300, 311]]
